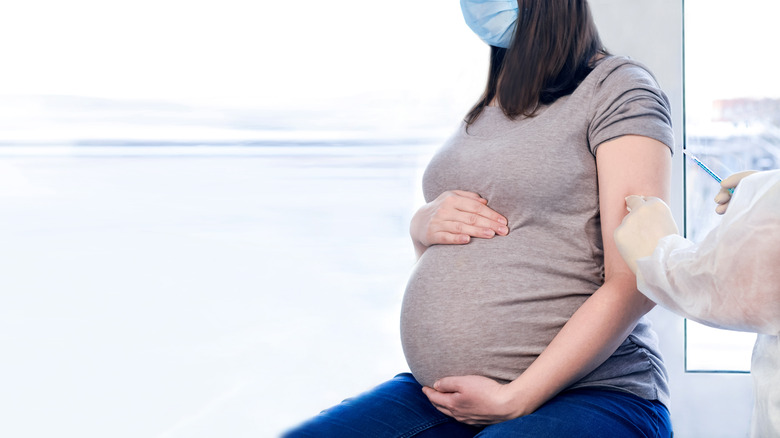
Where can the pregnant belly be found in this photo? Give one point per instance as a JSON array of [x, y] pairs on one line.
[[454, 322]]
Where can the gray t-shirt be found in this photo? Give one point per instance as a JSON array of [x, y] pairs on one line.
[[490, 307]]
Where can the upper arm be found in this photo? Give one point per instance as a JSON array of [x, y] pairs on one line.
[[628, 165]]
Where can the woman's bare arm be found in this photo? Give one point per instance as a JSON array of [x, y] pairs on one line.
[[627, 165]]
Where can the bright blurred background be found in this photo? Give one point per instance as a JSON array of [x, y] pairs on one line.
[[204, 205]]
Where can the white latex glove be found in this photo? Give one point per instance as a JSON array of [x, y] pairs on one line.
[[649, 219], [724, 195]]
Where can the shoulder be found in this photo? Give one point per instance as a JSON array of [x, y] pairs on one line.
[[617, 80], [616, 70], [625, 99]]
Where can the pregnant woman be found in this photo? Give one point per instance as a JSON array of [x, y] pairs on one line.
[[521, 318]]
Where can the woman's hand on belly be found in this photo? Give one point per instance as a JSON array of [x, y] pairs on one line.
[[454, 217], [474, 400]]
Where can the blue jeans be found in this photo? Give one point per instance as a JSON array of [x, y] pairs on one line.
[[399, 409]]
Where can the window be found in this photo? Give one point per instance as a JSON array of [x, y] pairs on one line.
[[202, 200], [732, 110]]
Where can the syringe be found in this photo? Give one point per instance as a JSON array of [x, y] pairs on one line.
[[706, 169]]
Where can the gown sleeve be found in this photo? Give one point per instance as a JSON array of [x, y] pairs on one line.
[[730, 280]]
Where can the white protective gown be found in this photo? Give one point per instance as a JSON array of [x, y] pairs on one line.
[[731, 280]]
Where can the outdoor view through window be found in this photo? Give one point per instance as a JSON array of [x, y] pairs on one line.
[[732, 122]]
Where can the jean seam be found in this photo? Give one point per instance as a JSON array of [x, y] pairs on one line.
[[423, 427], [658, 416]]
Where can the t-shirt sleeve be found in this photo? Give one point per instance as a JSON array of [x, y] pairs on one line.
[[628, 101]]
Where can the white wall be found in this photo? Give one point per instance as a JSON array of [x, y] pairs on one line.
[[650, 31]]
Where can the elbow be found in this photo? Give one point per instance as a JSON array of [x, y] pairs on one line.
[[625, 285], [645, 304]]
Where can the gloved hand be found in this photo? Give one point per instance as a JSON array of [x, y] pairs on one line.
[[649, 219], [724, 196]]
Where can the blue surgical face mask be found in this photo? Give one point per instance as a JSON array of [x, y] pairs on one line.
[[494, 21]]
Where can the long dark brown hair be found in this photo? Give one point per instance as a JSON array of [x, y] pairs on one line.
[[554, 47]]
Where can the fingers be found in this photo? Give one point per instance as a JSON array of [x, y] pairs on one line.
[[454, 232], [633, 202], [471, 195], [448, 238], [455, 228], [472, 224], [447, 395], [478, 207], [722, 199], [444, 401], [461, 215], [455, 217], [728, 185], [447, 384], [723, 196], [438, 400]]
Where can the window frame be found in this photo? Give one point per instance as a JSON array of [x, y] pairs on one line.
[[652, 33]]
